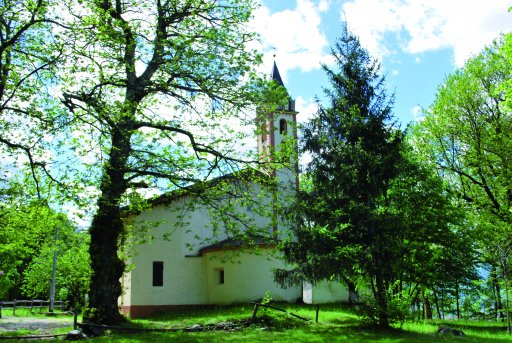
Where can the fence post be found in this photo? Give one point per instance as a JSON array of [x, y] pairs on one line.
[[75, 319], [317, 309], [54, 271], [0, 309], [14, 307], [256, 305]]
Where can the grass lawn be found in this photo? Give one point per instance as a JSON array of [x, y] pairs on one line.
[[336, 324]]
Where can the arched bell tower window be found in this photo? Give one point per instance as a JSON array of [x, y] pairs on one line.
[[283, 127]]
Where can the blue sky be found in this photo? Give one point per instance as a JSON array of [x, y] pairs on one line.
[[418, 42]]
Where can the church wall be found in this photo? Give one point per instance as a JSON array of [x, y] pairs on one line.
[[182, 276], [324, 292], [247, 277], [190, 278], [177, 247]]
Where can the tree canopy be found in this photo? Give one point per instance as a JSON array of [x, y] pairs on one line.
[[137, 105], [466, 136], [355, 154], [369, 210]]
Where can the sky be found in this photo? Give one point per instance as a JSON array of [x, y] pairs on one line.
[[418, 42]]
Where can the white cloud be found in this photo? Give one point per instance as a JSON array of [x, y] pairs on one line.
[[417, 112], [324, 5], [306, 108], [465, 26], [293, 35]]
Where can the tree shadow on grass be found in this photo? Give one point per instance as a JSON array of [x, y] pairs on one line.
[[311, 333], [497, 328]]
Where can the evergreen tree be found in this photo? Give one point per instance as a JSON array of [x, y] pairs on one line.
[[355, 154]]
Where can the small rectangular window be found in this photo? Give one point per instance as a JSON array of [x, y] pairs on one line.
[[158, 273], [221, 276]]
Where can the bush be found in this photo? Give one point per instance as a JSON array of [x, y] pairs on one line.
[[397, 311]]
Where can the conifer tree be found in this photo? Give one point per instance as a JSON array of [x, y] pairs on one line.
[[355, 154]]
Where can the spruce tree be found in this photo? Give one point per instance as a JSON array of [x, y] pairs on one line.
[[355, 153]]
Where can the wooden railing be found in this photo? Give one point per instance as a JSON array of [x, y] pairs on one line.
[[28, 304]]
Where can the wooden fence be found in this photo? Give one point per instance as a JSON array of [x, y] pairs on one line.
[[32, 305]]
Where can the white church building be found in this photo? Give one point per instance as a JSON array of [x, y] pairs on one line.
[[184, 265]]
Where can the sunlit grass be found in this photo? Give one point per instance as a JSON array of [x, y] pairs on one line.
[[336, 323]]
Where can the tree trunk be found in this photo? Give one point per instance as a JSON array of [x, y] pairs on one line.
[[436, 302], [505, 279], [457, 299], [106, 228], [498, 306], [353, 297], [380, 296], [442, 305], [427, 307]]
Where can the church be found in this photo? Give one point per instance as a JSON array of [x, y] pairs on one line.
[[191, 259]]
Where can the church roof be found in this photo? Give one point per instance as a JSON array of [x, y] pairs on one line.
[[276, 76], [233, 243], [195, 189]]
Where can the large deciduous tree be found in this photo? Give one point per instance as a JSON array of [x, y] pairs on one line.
[[153, 90], [29, 53], [466, 133]]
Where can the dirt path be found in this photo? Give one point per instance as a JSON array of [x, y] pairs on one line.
[[41, 325]]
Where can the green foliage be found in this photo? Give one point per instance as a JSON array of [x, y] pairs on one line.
[[398, 309], [25, 230], [267, 298], [73, 270], [355, 154], [466, 133], [466, 136], [370, 211]]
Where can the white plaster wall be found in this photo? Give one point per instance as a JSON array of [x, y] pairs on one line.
[[246, 278], [125, 299], [307, 292], [184, 276], [183, 280], [324, 292]]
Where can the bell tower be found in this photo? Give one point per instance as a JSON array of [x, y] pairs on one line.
[[277, 138]]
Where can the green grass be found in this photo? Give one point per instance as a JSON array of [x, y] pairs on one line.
[[37, 312], [336, 324]]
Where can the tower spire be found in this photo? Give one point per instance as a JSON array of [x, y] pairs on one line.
[[275, 75]]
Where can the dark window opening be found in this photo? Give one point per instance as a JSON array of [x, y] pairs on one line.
[[158, 273], [221, 276], [283, 127]]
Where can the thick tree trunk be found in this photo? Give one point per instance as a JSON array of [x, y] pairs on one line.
[[380, 296], [106, 228]]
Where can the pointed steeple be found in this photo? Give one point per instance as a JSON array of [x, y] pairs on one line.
[[276, 76]]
